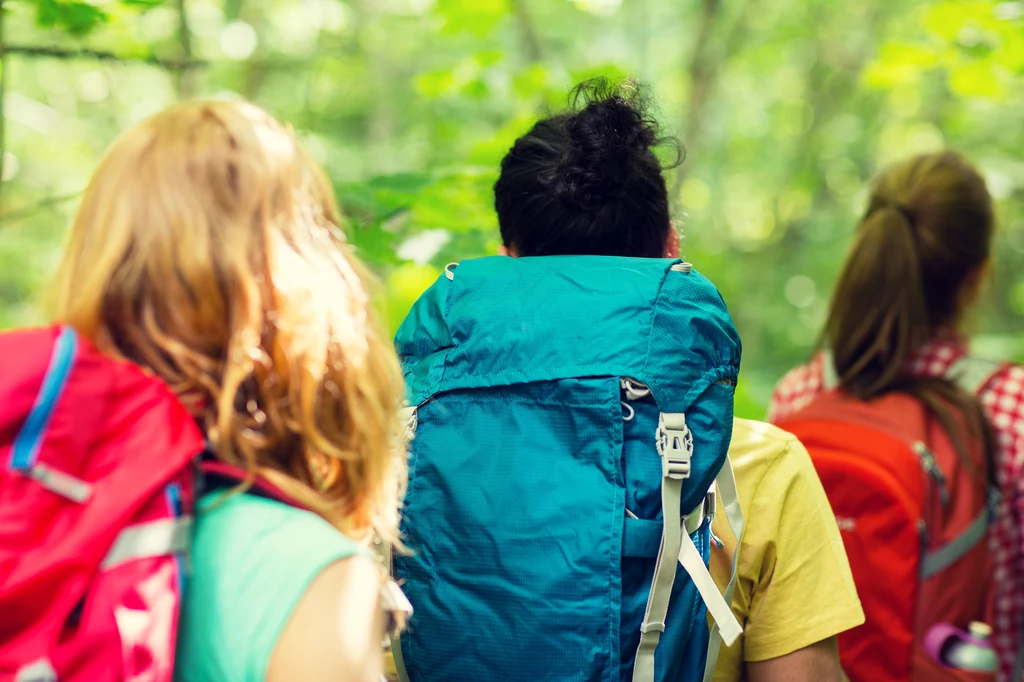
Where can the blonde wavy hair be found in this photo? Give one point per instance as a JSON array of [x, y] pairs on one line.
[[207, 250]]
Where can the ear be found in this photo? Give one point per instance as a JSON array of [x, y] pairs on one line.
[[672, 243], [509, 251]]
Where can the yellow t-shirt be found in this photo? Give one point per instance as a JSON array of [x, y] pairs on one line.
[[794, 586]]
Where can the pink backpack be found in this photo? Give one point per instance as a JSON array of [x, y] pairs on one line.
[[97, 482]]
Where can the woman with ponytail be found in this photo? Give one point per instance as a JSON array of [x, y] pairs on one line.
[[894, 326]]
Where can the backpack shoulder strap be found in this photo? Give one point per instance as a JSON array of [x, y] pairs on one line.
[[973, 374], [829, 378], [217, 474], [725, 485], [970, 373]]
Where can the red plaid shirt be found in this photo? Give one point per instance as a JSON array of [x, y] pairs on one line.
[[1003, 399]]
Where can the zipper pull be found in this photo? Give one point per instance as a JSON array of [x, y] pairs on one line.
[[931, 467], [633, 389]]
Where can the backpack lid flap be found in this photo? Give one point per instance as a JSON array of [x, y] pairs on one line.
[[501, 321]]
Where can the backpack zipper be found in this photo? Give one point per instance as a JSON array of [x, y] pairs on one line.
[[932, 469]]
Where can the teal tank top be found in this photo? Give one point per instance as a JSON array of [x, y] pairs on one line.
[[252, 560]]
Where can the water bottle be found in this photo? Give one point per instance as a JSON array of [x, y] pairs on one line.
[[969, 650]]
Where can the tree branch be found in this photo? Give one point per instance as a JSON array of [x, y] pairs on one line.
[[703, 70], [85, 53], [20, 213]]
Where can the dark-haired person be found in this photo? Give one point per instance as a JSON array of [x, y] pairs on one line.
[[588, 182], [917, 265]]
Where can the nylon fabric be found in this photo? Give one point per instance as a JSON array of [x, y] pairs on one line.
[[522, 468]]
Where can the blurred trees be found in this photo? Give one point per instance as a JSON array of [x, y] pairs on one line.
[[786, 110]]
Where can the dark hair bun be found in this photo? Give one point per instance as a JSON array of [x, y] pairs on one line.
[[612, 140], [587, 181]]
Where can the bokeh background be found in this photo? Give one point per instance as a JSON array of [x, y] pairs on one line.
[[786, 109]]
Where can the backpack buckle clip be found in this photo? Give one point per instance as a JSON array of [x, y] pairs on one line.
[[675, 445]]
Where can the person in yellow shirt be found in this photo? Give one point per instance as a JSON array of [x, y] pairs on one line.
[[794, 591]]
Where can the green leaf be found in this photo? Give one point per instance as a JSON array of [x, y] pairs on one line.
[[382, 196], [947, 19], [976, 79], [478, 17], [145, 4], [77, 18], [460, 202], [612, 72], [375, 245]]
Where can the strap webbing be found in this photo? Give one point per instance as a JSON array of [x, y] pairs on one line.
[[642, 537], [65, 485], [26, 444], [151, 539], [943, 557], [40, 670], [396, 655], [829, 378], [394, 637], [664, 577], [726, 483], [972, 374], [720, 611], [407, 417]]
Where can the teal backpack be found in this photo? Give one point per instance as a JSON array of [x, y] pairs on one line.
[[569, 417]]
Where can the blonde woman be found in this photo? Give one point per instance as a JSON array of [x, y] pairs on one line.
[[207, 251]]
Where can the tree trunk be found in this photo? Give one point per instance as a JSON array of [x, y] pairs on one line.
[[531, 41], [4, 63], [186, 76]]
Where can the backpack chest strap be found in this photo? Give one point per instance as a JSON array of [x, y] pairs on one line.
[[675, 446]]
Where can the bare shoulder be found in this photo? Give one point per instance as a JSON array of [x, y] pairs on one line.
[[336, 630]]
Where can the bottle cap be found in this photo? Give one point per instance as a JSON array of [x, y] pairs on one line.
[[980, 630]]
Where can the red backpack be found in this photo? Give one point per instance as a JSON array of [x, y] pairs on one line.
[[914, 521], [97, 482]]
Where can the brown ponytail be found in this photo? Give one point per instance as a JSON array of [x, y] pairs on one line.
[[923, 240]]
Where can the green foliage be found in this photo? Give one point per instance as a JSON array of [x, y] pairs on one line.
[[786, 112], [77, 18], [146, 4]]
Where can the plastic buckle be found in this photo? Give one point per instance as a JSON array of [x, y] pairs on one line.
[[676, 464], [652, 626], [675, 445]]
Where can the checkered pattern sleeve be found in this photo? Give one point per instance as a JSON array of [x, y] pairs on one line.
[[1003, 400], [796, 390]]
